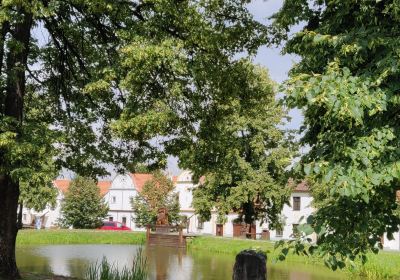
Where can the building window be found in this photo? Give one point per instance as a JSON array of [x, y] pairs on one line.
[[111, 219], [296, 203], [113, 199], [279, 232], [24, 217], [124, 221], [295, 230]]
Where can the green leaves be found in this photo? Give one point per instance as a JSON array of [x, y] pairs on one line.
[[83, 206], [157, 193], [347, 84], [241, 150]]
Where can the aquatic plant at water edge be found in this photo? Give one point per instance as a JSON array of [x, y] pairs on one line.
[[107, 271]]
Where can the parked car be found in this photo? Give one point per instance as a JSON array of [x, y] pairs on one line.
[[113, 226]]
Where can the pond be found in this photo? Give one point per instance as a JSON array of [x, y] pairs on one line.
[[164, 263]]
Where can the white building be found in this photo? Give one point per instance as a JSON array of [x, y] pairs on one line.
[[300, 207], [123, 189], [395, 243], [119, 192], [50, 215]]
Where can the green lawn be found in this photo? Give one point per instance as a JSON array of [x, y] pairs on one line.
[[62, 236]]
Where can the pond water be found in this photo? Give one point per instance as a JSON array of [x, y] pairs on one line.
[[164, 263]]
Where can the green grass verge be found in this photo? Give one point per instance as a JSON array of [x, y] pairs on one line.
[[385, 265], [47, 237]]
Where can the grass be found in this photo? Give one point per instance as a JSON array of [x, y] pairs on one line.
[[107, 271], [233, 246], [385, 265], [49, 237]]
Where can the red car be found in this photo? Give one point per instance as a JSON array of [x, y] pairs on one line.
[[114, 226]]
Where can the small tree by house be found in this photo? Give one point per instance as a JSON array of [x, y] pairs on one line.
[[83, 206], [156, 193]]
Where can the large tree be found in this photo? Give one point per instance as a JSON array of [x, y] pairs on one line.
[[70, 68], [347, 84], [83, 206], [158, 192], [242, 151]]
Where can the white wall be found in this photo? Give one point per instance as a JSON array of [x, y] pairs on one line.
[[122, 190], [392, 244], [293, 216], [50, 214]]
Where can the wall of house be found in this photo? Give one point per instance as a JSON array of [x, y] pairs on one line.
[[119, 197], [392, 244], [50, 215], [293, 217]]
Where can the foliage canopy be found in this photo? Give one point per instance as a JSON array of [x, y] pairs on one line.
[[347, 83], [157, 193], [243, 152], [83, 206]]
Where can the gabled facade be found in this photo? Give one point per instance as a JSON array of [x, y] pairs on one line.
[[123, 189]]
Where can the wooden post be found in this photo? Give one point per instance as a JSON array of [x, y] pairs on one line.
[[180, 237], [147, 233]]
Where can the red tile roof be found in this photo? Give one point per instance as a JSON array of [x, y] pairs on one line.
[[104, 186], [300, 187], [174, 179], [139, 179], [63, 185]]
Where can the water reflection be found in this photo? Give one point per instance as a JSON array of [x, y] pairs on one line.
[[164, 263]]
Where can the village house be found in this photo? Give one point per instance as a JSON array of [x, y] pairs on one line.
[[119, 193], [123, 189], [50, 215], [395, 243]]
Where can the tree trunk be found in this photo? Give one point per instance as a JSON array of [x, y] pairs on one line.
[[19, 218], [16, 61], [9, 193]]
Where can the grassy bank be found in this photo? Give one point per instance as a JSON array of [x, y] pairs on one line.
[[45, 237], [385, 265]]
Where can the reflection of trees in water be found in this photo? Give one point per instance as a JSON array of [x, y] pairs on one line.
[[77, 267], [212, 266], [299, 276], [164, 263], [168, 263], [30, 262]]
